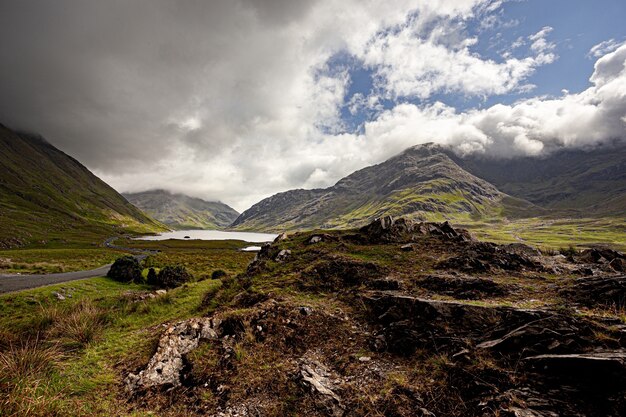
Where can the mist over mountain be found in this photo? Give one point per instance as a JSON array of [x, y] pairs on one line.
[[183, 212], [591, 181]]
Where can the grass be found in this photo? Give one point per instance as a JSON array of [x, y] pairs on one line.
[[44, 261], [71, 355]]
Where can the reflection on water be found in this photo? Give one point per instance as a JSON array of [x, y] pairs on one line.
[[213, 235]]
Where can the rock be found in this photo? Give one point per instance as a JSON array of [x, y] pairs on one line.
[[384, 284], [283, 255], [364, 359], [58, 296], [280, 237], [463, 287], [337, 273], [410, 322], [306, 311], [161, 292], [167, 364], [598, 291], [387, 229], [618, 264], [480, 257], [407, 248], [316, 377], [315, 239], [599, 255], [598, 370]]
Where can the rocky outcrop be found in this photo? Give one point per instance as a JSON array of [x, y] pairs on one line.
[[601, 291], [463, 286], [481, 257], [317, 379], [387, 229], [165, 367]]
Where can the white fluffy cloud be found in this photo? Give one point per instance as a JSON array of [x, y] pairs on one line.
[[529, 127], [409, 64], [235, 100]]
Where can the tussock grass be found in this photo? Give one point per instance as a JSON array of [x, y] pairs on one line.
[[80, 326]]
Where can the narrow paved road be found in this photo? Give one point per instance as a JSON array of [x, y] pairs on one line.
[[15, 282], [10, 283]]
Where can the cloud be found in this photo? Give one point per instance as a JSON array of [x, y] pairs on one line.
[[603, 48], [409, 64], [235, 100], [529, 127]]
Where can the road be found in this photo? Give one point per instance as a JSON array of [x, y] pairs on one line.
[[15, 282]]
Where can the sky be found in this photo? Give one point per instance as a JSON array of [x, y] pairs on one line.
[[237, 100]]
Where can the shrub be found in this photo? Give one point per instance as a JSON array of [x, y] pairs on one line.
[[152, 277], [172, 276], [217, 274], [126, 269]]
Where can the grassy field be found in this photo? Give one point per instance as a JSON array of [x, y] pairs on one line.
[[44, 261], [67, 357]]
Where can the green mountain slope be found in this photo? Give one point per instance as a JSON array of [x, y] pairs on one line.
[[183, 212], [46, 195], [421, 182], [591, 182]]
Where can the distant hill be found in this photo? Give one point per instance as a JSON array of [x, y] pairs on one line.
[[183, 212], [47, 196], [421, 182], [586, 182]]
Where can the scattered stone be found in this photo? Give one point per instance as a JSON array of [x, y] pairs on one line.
[[283, 255], [316, 377], [306, 311], [364, 359], [161, 292], [407, 248], [58, 296], [315, 239]]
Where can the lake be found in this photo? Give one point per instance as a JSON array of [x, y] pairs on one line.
[[213, 235]]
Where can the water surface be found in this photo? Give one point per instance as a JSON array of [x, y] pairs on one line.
[[213, 235]]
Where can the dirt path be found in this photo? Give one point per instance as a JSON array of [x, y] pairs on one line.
[[17, 282]]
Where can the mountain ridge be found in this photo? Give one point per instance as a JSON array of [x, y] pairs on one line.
[[421, 182], [181, 211], [45, 194]]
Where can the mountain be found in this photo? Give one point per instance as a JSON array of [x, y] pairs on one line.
[[421, 182], [588, 182], [46, 195], [183, 212]]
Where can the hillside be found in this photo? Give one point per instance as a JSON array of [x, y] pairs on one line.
[[183, 212], [591, 182], [421, 182], [46, 195]]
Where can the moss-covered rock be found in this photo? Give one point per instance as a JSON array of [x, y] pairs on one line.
[[126, 269]]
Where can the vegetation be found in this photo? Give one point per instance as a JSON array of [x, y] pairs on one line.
[[171, 277], [126, 269], [68, 357], [49, 198], [46, 261]]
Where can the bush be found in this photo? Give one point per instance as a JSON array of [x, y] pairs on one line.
[[172, 276], [126, 269], [152, 277], [217, 274]]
